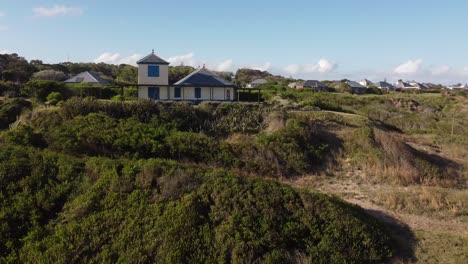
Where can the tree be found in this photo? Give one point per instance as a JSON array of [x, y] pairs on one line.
[[344, 88], [50, 75], [127, 74], [41, 88], [178, 72]]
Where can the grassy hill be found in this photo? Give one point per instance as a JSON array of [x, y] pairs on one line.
[[137, 181]]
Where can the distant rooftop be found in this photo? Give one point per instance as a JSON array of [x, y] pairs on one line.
[[87, 77], [204, 77]]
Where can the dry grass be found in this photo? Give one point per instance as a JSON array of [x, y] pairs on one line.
[[431, 201]]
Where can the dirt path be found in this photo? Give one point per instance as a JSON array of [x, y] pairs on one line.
[[358, 193], [421, 238]]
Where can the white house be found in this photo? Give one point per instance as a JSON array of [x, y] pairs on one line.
[[366, 83], [458, 87], [200, 85]]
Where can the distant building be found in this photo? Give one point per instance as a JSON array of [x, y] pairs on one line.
[[256, 83], [357, 87], [407, 85], [87, 77], [385, 86], [200, 85], [366, 83], [458, 87], [292, 85], [314, 84]]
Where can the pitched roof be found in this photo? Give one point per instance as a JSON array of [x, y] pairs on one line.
[[87, 77], [152, 58], [354, 84], [204, 77], [383, 84], [259, 81], [401, 84], [314, 83]]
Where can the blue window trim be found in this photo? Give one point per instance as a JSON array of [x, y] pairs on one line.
[[177, 92], [197, 92], [153, 70]]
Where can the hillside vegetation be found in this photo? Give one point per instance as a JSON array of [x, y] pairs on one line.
[[82, 182], [138, 181]]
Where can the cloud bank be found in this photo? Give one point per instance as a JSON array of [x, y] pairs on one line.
[[117, 59], [323, 66], [324, 69], [409, 67], [56, 10]]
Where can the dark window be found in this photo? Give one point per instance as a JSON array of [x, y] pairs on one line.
[[177, 92], [198, 92], [153, 93], [153, 71]]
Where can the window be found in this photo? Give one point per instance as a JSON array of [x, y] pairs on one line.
[[177, 92], [198, 93], [153, 93], [153, 71]]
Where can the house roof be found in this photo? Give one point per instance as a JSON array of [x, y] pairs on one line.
[[204, 77], [87, 77], [367, 82], [383, 84], [314, 83], [152, 59], [354, 84], [405, 85], [259, 81]]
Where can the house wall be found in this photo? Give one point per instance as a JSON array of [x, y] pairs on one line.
[[188, 93], [163, 78]]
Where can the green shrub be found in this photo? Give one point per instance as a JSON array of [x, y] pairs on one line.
[[40, 89], [54, 98], [10, 110]]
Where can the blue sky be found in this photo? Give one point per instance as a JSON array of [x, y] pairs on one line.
[[422, 40]]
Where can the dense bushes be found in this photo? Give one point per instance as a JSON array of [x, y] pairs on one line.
[[10, 110], [40, 89], [34, 186], [63, 210]]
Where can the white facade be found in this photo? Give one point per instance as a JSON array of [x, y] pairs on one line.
[[188, 93], [163, 78], [201, 85]]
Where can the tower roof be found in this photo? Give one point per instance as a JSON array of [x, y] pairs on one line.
[[152, 59]]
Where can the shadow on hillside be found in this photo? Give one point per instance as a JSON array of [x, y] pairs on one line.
[[334, 147], [405, 241]]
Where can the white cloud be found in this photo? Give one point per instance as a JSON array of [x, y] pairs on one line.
[[4, 51], [225, 66], [117, 59], [322, 66], [409, 67], [292, 69], [440, 70], [186, 59], [56, 10], [265, 67]]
